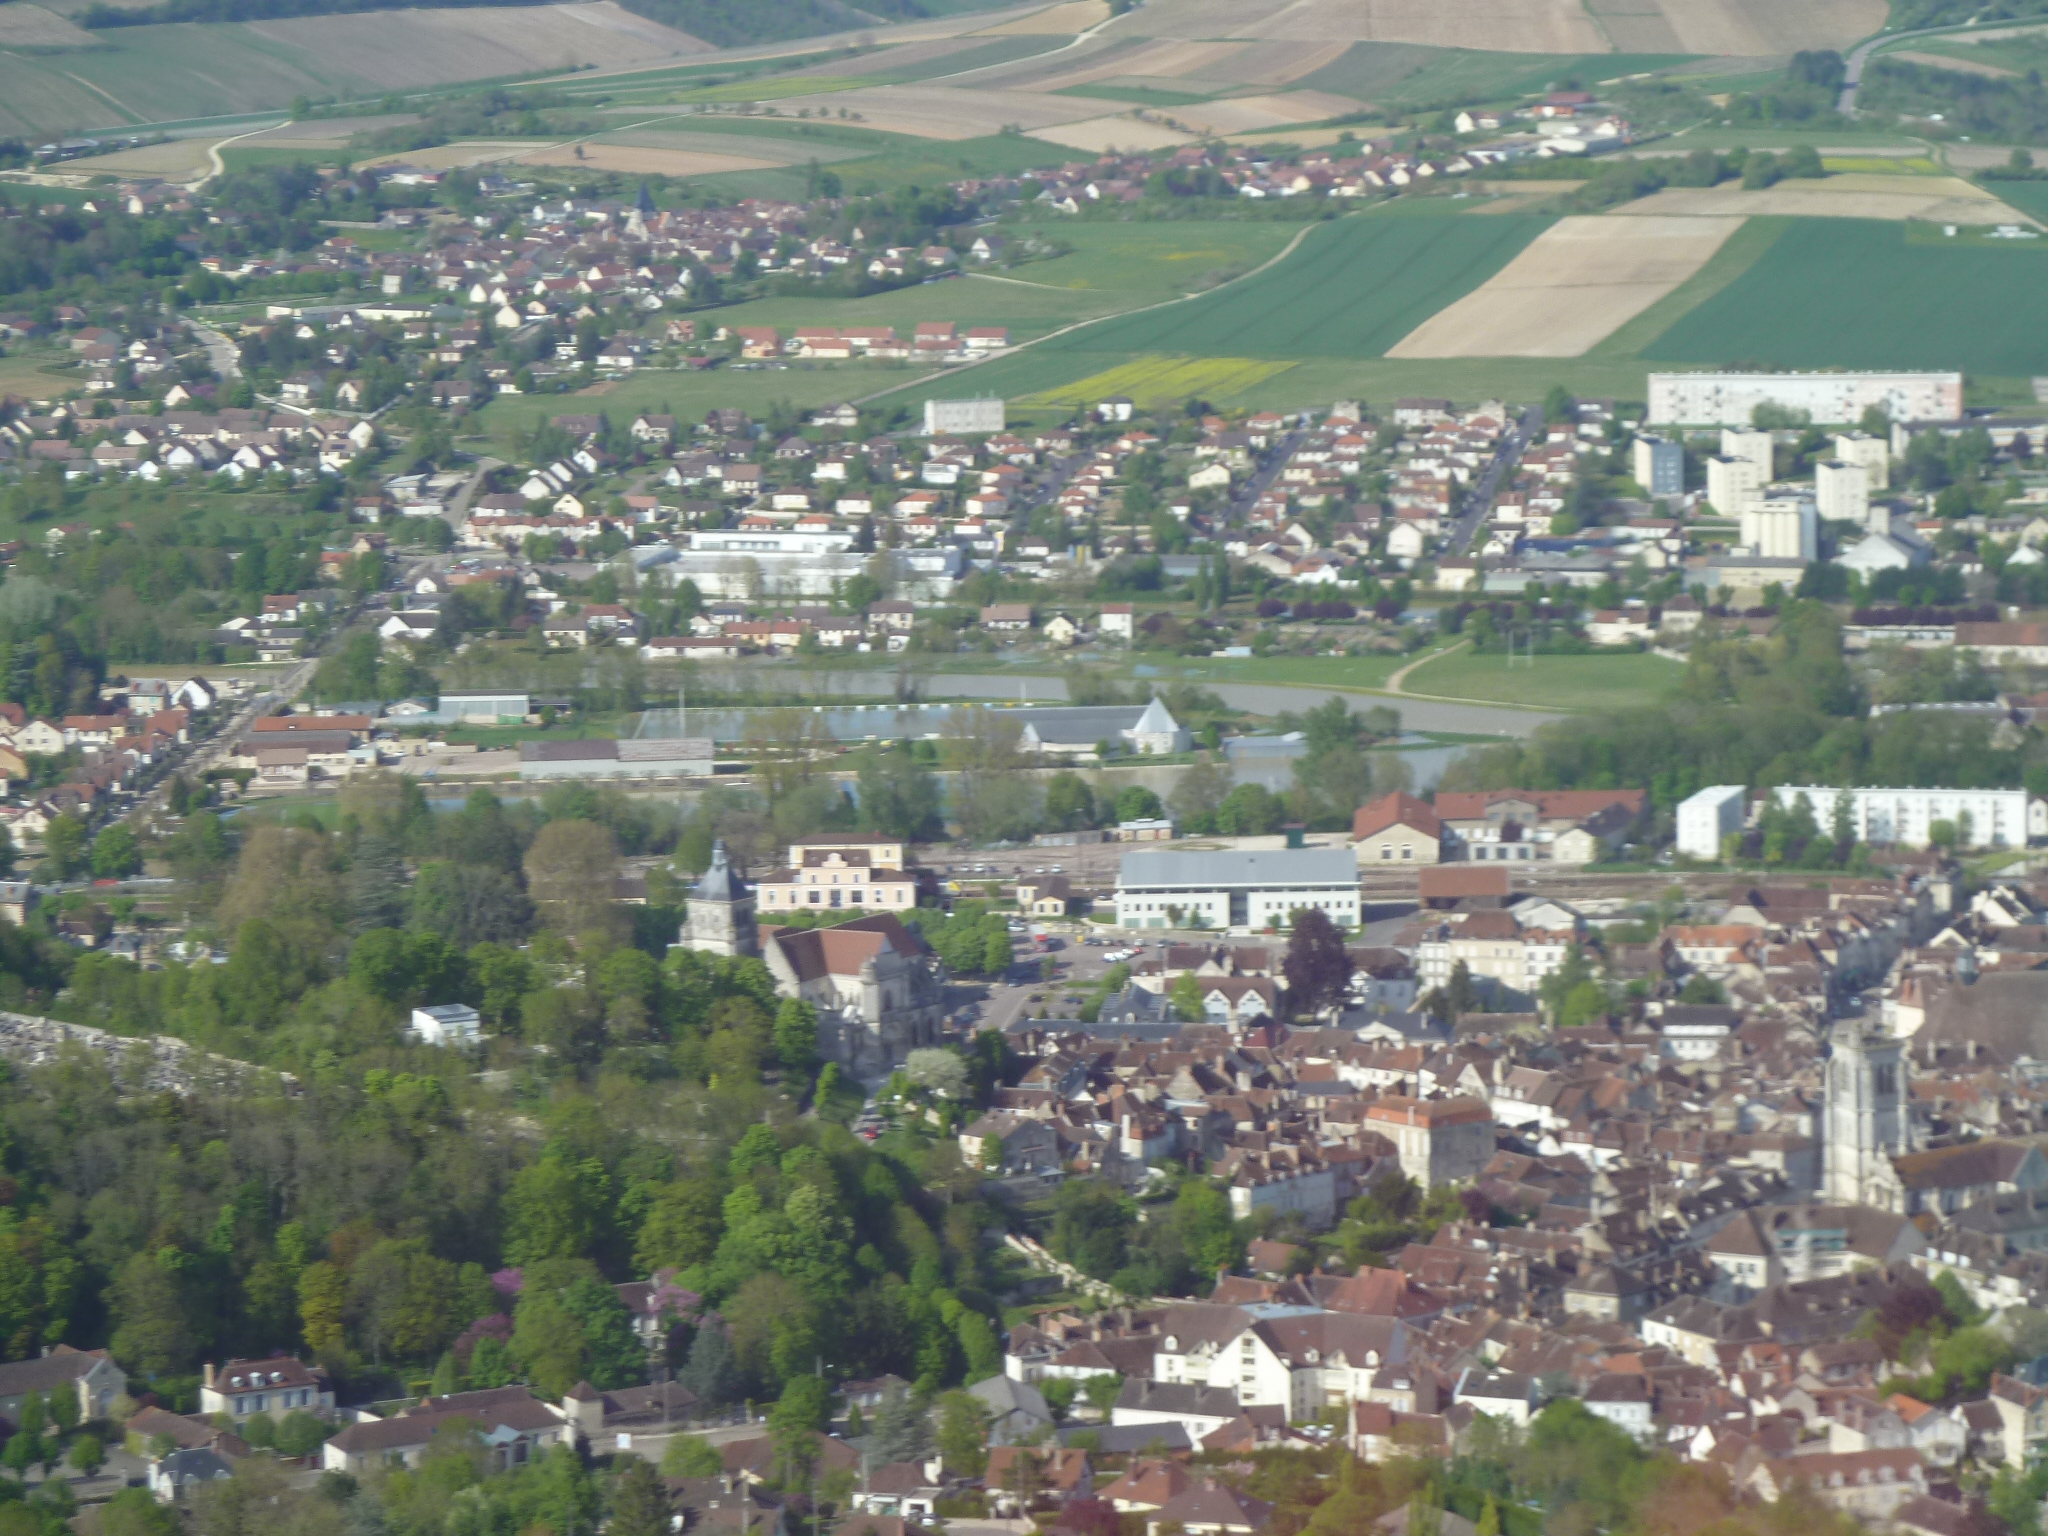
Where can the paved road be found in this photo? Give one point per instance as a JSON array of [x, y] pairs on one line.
[[1852, 76], [223, 355], [1480, 497]]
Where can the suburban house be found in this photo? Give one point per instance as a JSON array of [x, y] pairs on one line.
[[1397, 829], [275, 1386]]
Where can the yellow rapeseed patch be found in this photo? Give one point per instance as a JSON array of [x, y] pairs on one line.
[[1147, 379]]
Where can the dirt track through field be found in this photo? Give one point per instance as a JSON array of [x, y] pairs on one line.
[[1570, 288]]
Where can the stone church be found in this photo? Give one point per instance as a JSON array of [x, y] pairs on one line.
[[879, 990]]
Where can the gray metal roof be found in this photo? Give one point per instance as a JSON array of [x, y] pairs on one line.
[[1265, 867]]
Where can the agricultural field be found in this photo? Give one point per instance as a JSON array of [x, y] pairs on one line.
[[956, 112], [1571, 287], [1157, 381], [1857, 195], [1107, 135], [1404, 75], [1853, 293], [190, 70], [2029, 197], [1353, 288], [1111, 268], [1580, 684]]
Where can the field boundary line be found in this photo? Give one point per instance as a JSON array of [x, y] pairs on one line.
[[1187, 298]]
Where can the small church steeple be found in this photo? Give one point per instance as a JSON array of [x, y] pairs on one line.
[[721, 915]]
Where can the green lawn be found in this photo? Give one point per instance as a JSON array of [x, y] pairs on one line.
[[1582, 684], [1858, 293]]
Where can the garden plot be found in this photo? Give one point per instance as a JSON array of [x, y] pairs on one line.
[[1570, 288]]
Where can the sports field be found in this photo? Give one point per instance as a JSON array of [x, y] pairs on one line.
[[1582, 684], [1857, 293]]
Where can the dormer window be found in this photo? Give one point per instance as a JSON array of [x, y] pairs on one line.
[[1172, 1345], [1313, 1356]]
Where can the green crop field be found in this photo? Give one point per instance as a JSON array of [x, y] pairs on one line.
[[1111, 268], [1353, 288], [1857, 293], [1411, 75], [1582, 684], [2030, 197], [1027, 311]]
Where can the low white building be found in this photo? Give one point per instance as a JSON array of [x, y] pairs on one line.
[[446, 1024], [1235, 890]]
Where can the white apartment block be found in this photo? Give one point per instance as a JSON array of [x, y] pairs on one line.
[[1757, 447], [1732, 484], [1842, 491], [1707, 817], [1872, 452], [1731, 399], [1983, 818]]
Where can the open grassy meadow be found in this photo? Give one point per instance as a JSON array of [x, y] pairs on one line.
[[1581, 684], [1859, 293]]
